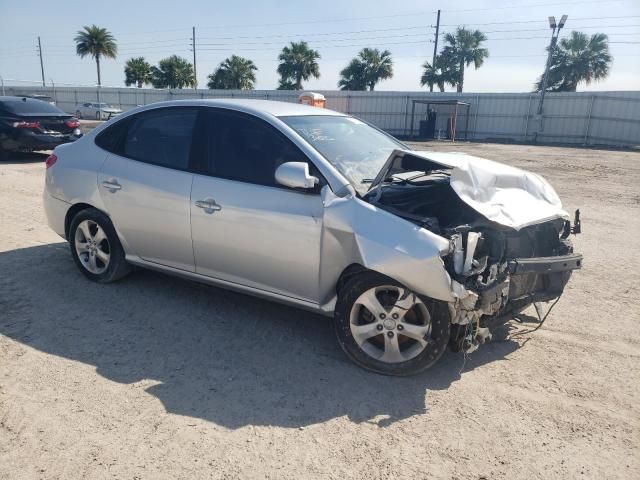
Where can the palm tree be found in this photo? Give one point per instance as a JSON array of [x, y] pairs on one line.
[[464, 47], [173, 72], [298, 62], [137, 71], [353, 76], [286, 84], [578, 58], [235, 73], [367, 69], [444, 71], [97, 42]]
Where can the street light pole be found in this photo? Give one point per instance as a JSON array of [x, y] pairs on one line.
[[41, 64], [555, 33]]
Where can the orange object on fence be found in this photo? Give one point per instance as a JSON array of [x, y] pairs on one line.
[[313, 99]]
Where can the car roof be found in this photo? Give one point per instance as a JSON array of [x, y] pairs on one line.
[[257, 107], [17, 98]]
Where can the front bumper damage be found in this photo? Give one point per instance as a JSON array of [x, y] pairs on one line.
[[511, 287]]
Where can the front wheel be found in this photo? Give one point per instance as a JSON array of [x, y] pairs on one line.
[[95, 247], [385, 327], [78, 114]]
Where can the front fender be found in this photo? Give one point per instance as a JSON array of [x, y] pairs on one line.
[[355, 231]]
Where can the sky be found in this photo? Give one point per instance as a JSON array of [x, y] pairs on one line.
[[517, 32]]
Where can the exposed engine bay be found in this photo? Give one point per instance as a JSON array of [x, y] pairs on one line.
[[496, 270]]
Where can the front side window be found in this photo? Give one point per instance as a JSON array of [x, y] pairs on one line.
[[161, 137], [244, 148], [355, 148]]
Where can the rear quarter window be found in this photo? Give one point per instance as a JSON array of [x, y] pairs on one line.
[[112, 138]]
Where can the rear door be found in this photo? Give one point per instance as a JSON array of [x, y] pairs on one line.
[[145, 184], [246, 228]]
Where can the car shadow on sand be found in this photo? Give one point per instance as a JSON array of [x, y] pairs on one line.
[[208, 353]]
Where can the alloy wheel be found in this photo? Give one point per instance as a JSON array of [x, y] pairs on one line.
[[390, 324], [92, 247]]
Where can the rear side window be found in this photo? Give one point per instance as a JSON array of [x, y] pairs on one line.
[[29, 106], [240, 147], [161, 137]]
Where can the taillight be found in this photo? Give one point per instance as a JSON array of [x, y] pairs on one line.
[[26, 124], [73, 123], [51, 159]]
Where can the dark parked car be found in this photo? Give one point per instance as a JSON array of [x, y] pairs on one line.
[[27, 124]]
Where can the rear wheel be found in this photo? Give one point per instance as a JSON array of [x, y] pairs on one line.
[[384, 327], [95, 247], [97, 115]]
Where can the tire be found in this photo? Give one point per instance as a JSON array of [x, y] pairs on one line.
[[414, 355], [92, 239], [78, 114], [98, 116]]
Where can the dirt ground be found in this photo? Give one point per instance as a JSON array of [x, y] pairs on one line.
[[159, 378]]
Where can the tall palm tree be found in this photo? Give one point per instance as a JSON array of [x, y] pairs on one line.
[[366, 70], [353, 77], [97, 42], [137, 71], [298, 62], [578, 58], [465, 48], [173, 72], [444, 71], [235, 73]]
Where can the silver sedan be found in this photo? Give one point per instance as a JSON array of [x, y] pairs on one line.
[[409, 252]]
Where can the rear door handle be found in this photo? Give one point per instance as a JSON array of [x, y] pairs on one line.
[[112, 185], [209, 205]]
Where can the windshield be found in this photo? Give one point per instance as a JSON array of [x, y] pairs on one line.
[[356, 149]]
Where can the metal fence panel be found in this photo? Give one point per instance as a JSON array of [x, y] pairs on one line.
[[582, 118]]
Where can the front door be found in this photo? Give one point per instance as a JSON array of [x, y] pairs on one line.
[[247, 229]]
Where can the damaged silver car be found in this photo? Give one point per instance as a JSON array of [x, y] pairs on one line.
[[410, 252]]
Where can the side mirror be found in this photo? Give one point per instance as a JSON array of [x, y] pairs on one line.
[[295, 175]]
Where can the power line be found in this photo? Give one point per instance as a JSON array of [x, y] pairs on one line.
[[333, 40], [519, 6], [537, 21]]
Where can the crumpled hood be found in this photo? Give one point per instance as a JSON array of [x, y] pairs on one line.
[[503, 194]]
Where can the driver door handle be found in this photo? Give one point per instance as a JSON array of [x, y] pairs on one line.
[[209, 205], [112, 185]]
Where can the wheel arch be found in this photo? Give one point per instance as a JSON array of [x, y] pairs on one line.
[[73, 211], [348, 273]]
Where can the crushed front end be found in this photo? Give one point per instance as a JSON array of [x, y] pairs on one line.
[[509, 238]]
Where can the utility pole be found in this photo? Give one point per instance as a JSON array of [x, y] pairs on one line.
[[193, 46], [555, 33], [435, 46], [41, 64]]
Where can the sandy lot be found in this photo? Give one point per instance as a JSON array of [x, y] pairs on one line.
[[156, 377]]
